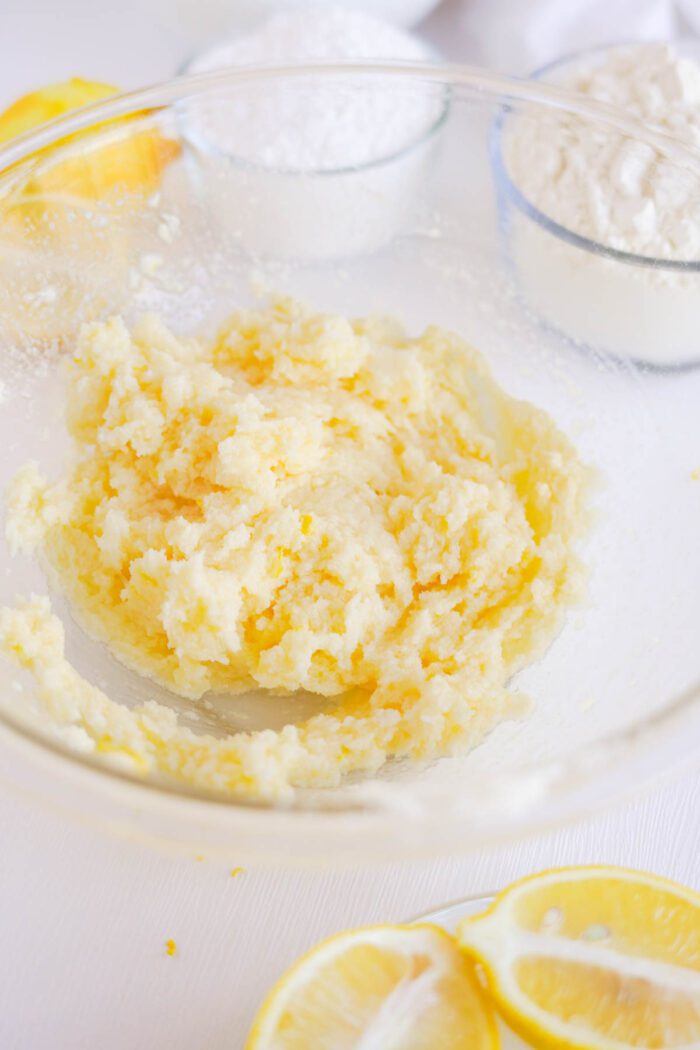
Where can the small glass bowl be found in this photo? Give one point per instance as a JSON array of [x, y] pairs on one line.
[[314, 211], [313, 214], [609, 301]]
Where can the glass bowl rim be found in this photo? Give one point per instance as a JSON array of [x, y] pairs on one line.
[[511, 190], [160, 96], [582, 763], [478, 901]]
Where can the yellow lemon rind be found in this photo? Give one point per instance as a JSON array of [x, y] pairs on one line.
[[517, 1010]]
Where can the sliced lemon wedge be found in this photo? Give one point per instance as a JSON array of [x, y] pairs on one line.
[[593, 958], [380, 988], [71, 215], [133, 160], [48, 103]]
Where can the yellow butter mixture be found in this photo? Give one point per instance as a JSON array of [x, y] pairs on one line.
[[305, 503]]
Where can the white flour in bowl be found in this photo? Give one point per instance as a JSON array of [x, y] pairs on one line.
[[614, 190], [618, 193]]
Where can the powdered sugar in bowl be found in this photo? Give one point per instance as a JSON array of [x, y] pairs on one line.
[[603, 229], [295, 170]]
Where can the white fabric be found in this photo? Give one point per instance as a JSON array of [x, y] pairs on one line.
[[518, 36], [689, 15]]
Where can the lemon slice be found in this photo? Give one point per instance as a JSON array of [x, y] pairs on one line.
[[133, 160], [48, 103], [70, 217], [597, 958], [381, 988]]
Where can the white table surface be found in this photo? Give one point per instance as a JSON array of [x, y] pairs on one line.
[[84, 918]]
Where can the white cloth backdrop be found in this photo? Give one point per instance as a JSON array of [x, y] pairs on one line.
[[517, 36]]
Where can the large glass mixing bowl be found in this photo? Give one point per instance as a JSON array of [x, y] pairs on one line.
[[135, 205]]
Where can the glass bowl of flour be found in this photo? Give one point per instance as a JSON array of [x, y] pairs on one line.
[[590, 215], [322, 556]]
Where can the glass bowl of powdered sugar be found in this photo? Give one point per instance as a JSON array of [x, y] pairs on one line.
[[310, 171], [601, 229], [318, 544]]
